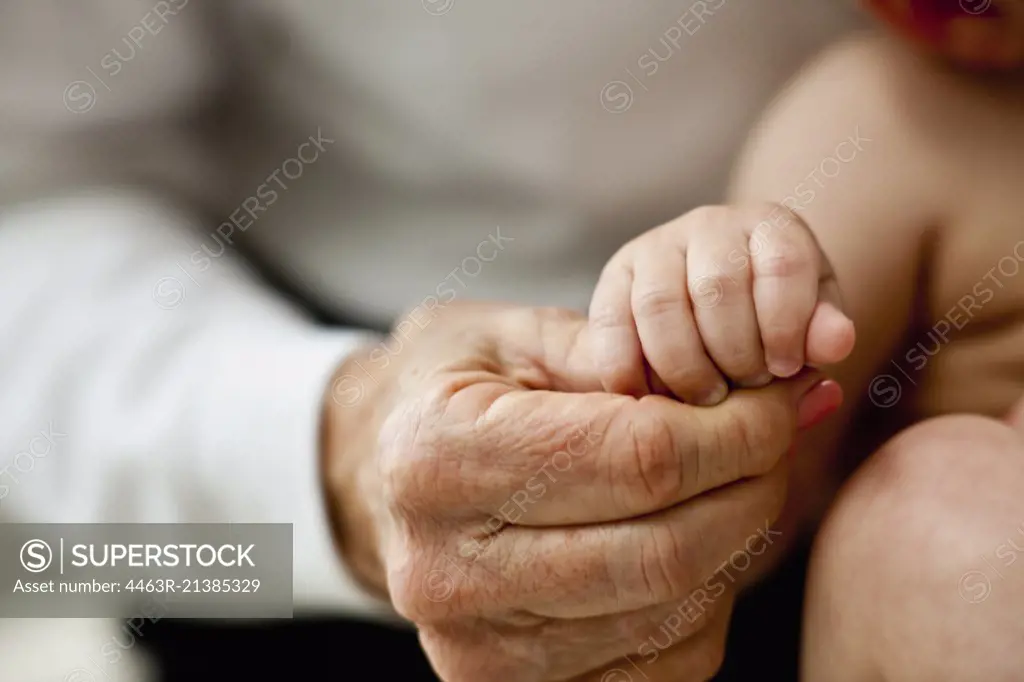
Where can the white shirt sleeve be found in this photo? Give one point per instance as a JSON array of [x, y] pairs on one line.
[[137, 390], [135, 386]]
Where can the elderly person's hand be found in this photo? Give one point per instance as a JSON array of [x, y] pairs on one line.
[[536, 529]]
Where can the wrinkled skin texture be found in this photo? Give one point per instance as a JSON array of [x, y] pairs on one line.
[[535, 528]]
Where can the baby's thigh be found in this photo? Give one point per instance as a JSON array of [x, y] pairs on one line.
[[920, 551]]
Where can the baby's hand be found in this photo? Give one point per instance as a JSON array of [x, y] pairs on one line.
[[737, 294]]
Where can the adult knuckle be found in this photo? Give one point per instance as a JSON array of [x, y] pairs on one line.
[[405, 598], [748, 434], [425, 591], [656, 465], [395, 455], [409, 447]]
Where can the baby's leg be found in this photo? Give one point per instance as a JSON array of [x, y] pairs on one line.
[[918, 571]]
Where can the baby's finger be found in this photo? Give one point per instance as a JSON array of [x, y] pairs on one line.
[[616, 346], [668, 332], [830, 336], [721, 287], [786, 262]]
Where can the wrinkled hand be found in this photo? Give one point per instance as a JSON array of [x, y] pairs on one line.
[[536, 529]]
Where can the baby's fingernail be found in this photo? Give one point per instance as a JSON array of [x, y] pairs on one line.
[[714, 396], [823, 399], [759, 381], [784, 368]]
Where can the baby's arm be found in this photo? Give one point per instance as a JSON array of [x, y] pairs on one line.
[[939, 165], [853, 146], [837, 149], [738, 292]]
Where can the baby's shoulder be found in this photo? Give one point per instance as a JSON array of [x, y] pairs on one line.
[[922, 94], [960, 142]]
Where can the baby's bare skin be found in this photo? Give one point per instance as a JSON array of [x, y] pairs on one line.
[[722, 295], [905, 179], [911, 189], [977, 282], [925, 229], [916, 223]]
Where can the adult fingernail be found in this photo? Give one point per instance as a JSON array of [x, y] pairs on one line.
[[823, 399]]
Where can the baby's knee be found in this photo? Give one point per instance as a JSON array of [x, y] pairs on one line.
[[944, 454], [939, 476], [911, 546]]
